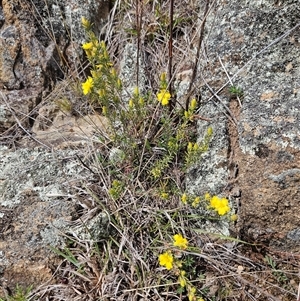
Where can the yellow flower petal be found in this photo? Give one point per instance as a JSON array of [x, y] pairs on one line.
[[180, 241], [87, 46], [192, 294], [207, 196], [234, 217], [184, 198], [182, 279], [87, 85], [131, 104], [164, 97], [136, 91], [193, 104], [85, 22], [166, 260], [220, 205]]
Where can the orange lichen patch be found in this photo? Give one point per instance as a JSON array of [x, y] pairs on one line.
[[289, 67], [26, 273], [257, 131], [268, 95], [285, 119], [247, 127]]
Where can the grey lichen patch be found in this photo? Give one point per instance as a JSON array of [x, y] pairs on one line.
[[261, 58], [128, 67], [47, 174], [287, 173], [181, 85], [38, 194], [39, 184], [51, 235], [2, 114], [294, 235], [270, 110], [211, 174], [95, 229], [64, 17], [116, 156], [3, 261]]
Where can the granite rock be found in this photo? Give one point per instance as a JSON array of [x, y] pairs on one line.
[[254, 45]]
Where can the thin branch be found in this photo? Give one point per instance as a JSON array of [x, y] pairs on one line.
[[194, 74], [229, 79], [138, 28], [170, 69], [215, 95]]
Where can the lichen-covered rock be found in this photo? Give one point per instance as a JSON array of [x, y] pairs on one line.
[[38, 200], [255, 44], [17, 105], [128, 71]]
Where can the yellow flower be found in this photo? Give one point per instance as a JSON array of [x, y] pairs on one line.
[[166, 260], [164, 97], [171, 144], [103, 45], [163, 77], [101, 93], [136, 91], [131, 104], [95, 74], [214, 202], [119, 83], [96, 43], [193, 104], [87, 46], [222, 210], [195, 147], [209, 131], [105, 54], [94, 51], [164, 195], [184, 198], [186, 114], [234, 217], [156, 172], [141, 101], [85, 22], [180, 241], [220, 205], [182, 279], [190, 146], [192, 294], [224, 206], [113, 72], [207, 196], [196, 202], [87, 85]]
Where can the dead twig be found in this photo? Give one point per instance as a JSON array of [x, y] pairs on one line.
[[170, 69], [201, 117], [195, 67], [229, 79], [232, 118]]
